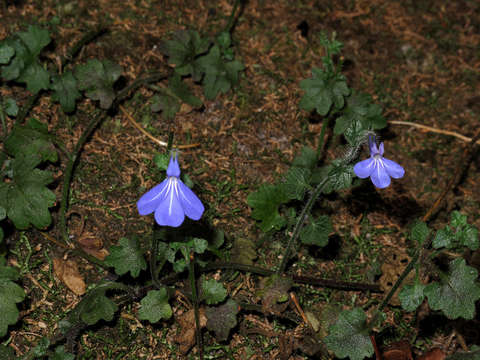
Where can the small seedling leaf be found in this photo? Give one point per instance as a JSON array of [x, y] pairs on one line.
[[96, 306]]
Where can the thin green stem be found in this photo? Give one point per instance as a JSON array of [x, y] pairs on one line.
[[193, 284], [321, 139], [231, 19], [299, 224], [2, 118]]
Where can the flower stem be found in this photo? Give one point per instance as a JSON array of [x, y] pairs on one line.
[[321, 140], [231, 19], [193, 285], [299, 224]]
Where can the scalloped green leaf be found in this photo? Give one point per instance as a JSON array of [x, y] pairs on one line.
[[60, 354], [31, 140], [26, 197], [155, 306], [212, 291], [6, 53], [411, 296], [221, 319], [97, 78], [316, 231], [420, 232], [265, 203], [456, 295], [183, 49], [125, 257], [65, 91], [24, 66], [10, 106], [296, 182], [96, 306], [322, 91], [220, 75], [349, 337], [10, 295]]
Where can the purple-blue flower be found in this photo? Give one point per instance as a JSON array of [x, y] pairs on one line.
[[171, 200], [379, 169]]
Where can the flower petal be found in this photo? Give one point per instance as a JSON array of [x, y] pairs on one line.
[[372, 144], [150, 200], [364, 168], [382, 149], [393, 169], [170, 211], [173, 168], [191, 204], [380, 176]]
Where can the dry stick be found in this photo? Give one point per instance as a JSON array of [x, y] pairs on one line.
[[461, 168], [435, 130], [147, 134]]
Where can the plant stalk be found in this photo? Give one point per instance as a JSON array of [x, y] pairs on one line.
[[193, 284], [299, 224]]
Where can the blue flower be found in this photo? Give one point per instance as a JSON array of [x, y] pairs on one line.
[[171, 199], [377, 167]]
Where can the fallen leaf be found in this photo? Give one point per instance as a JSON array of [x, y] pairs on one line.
[[67, 272], [398, 351], [92, 245], [186, 337], [392, 268], [434, 354]]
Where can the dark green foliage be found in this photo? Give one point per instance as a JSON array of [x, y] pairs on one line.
[[457, 235], [24, 66], [155, 306], [125, 257], [25, 197], [323, 90], [10, 295], [265, 203], [221, 319], [96, 78], [457, 292], [65, 91], [348, 337], [316, 231], [212, 291], [411, 296]]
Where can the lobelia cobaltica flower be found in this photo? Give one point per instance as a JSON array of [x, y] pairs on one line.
[[171, 199], [379, 169]]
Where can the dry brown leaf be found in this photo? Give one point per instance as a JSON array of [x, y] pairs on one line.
[[186, 337], [92, 245], [434, 354], [392, 268], [398, 351], [67, 272]]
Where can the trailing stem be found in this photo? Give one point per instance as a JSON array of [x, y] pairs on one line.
[[193, 285], [299, 224]]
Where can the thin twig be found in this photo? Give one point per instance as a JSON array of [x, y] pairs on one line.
[[435, 130], [151, 137]]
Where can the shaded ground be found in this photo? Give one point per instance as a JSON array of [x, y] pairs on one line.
[[419, 59]]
